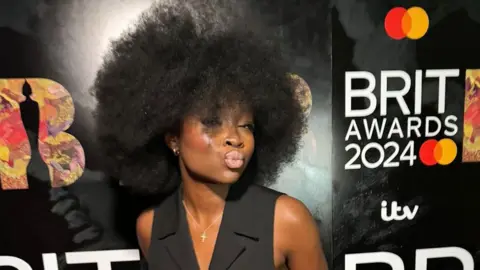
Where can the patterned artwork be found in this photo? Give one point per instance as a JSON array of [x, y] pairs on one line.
[[303, 92], [60, 151], [14, 146], [471, 137]]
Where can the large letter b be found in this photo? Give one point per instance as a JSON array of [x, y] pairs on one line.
[[60, 151]]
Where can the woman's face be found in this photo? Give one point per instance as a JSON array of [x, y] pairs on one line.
[[219, 149]]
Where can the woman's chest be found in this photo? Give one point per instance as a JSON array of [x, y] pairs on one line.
[[236, 256]]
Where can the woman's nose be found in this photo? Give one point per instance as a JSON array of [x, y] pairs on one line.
[[233, 140]]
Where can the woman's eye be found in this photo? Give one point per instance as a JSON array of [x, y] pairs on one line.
[[251, 127], [211, 122]]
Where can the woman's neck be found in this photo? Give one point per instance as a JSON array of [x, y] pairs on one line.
[[205, 201]]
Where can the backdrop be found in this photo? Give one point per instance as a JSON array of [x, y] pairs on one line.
[[388, 164], [74, 217], [405, 99]]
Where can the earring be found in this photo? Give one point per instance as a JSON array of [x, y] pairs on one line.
[[176, 152]]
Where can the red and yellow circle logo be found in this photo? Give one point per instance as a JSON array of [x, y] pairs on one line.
[[441, 152], [409, 23]]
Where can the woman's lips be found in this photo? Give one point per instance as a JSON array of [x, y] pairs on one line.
[[234, 159]]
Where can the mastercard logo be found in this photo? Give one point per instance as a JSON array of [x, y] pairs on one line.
[[441, 152], [409, 23]]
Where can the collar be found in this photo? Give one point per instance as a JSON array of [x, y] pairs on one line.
[[238, 217]]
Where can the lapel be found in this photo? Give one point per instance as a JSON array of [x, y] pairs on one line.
[[236, 235], [173, 233], [237, 232]]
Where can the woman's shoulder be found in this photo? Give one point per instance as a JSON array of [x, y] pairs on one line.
[[287, 208], [145, 219], [149, 215], [256, 189], [289, 211], [294, 226], [144, 229], [293, 210], [148, 218]]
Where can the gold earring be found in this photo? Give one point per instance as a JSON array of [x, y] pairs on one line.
[[176, 152]]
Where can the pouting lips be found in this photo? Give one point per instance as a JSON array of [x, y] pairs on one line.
[[234, 159]]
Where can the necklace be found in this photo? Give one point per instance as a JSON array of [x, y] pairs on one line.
[[203, 236]]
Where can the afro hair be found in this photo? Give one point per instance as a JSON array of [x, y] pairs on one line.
[[186, 58]]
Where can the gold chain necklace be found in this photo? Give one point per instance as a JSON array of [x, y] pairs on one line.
[[203, 236]]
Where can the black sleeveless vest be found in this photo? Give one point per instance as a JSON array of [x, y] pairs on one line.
[[244, 241]]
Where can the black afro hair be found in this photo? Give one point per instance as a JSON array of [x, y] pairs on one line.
[[189, 58]]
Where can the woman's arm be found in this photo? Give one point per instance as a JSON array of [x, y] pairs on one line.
[[298, 235], [144, 231]]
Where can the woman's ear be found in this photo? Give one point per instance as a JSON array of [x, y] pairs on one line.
[[172, 143]]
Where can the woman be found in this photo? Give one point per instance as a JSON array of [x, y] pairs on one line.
[[195, 106]]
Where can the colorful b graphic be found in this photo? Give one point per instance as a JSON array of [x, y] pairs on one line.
[[409, 23], [471, 119], [60, 151]]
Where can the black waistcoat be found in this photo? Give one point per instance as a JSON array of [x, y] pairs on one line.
[[244, 241]]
